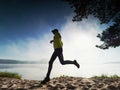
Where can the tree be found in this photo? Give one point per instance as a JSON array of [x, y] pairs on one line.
[[105, 11]]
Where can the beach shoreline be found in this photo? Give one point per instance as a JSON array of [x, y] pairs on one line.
[[61, 83]]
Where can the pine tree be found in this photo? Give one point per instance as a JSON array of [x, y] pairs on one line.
[[106, 11]]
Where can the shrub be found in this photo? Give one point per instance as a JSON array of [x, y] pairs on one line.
[[9, 74]]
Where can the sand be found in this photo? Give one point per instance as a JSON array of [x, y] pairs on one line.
[[61, 83]]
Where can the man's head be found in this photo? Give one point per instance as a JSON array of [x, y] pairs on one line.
[[55, 31]]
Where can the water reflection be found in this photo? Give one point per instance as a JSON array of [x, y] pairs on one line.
[[38, 71], [28, 71]]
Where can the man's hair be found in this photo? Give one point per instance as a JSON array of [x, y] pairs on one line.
[[55, 30]]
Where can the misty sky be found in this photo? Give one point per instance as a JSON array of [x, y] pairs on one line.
[[29, 19], [25, 32], [20, 19]]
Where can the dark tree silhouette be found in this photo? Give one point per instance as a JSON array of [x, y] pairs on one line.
[[105, 11]]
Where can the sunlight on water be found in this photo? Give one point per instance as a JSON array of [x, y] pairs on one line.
[[38, 71]]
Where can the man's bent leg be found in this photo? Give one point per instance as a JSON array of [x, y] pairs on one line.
[[64, 62]]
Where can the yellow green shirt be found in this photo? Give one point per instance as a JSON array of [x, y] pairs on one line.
[[57, 41]]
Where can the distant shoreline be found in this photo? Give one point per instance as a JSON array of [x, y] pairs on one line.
[[9, 61]]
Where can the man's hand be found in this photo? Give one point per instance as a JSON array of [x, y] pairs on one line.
[[51, 41]]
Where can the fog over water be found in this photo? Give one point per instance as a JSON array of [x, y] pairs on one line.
[[38, 71]]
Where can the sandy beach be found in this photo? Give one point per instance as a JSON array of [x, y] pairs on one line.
[[61, 83]]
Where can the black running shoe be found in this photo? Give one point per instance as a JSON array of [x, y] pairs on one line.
[[45, 81], [77, 64]]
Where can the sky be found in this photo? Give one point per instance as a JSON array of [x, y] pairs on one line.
[[25, 32]]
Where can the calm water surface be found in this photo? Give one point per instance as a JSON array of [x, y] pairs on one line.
[[38, 71]]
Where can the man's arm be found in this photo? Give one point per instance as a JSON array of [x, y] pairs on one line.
[[51, 41]]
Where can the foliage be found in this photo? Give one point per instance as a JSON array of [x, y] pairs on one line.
[[106, 11], [11, 75], [111, 37], [103, 76]]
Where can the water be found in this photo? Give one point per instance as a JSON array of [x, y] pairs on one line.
[[27, 71], [38, 71]]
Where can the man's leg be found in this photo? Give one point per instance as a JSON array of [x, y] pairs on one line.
[[61, 58], [64, 62], [53, 57]]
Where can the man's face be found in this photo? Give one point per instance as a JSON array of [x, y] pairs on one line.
[[53, 33]]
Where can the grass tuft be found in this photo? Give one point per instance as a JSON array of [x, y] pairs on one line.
[[103, 76], [10, 75]]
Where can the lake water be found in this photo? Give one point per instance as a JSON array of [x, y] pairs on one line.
[[38, 71]]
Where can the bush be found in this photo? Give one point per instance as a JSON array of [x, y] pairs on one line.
[[103, 76], [10, 75]]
